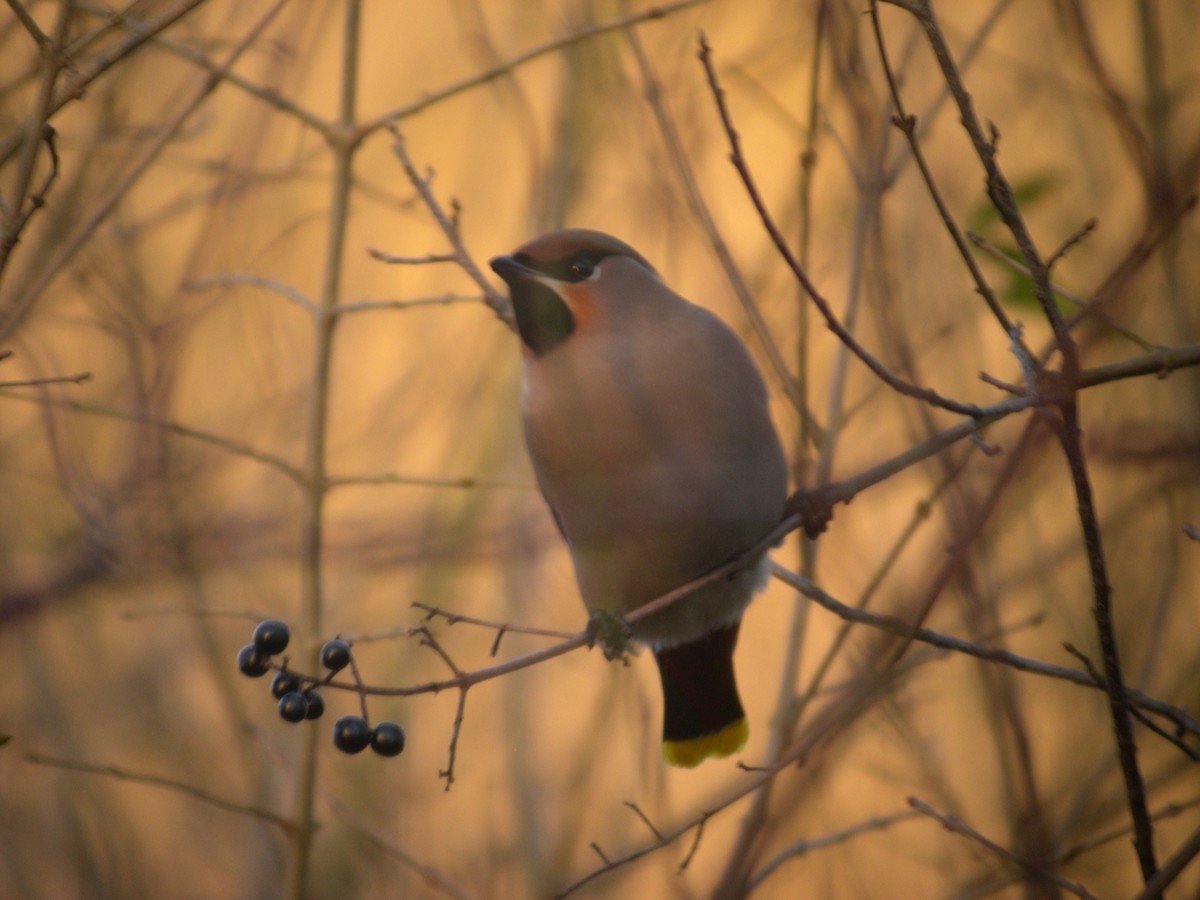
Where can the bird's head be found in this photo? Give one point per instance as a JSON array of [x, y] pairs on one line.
[[563, 281]]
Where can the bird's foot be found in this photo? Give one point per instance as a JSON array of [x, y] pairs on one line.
[[814, 508], [611, 632]]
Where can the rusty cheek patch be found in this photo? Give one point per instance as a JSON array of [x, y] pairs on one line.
[[582, 303]]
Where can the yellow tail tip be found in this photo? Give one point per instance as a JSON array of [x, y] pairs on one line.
[[690, 753]]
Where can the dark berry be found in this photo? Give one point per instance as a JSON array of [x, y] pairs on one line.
[[351, 734], [387, 739], [293, 707], [252, 663], [316, 705], [335, 655], [284, 683], [271, 636]]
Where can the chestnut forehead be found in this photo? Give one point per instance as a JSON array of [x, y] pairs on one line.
[[560, 246]]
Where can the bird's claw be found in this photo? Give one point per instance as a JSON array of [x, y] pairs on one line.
[[611, 632]]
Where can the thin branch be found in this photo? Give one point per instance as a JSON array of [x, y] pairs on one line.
[[460, 711], [427, 639], [1171, 869], [646, 820], [97, 65], [77, 378], [469, 482], [171, 784], [1143, 835], [356, 306], [311, 531], [16, 309], [1076, 237], [958, 826], [267, 95], [394, 260], [226, 279], [357, 822], [1141, 252], [897, 384], [432, 612], [229, 445], [696, 838], [22, 204], [902, 628], [1001, 195], [388, 119], [683, 169], [806, 846], [21, 210], [1113, 834], [1083, 307], [907, 124], [29, 24], [1098, 679], [449, 226]]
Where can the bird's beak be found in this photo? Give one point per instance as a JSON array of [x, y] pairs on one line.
[[543, 318], [512, 271]]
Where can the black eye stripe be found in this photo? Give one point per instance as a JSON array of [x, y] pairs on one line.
[[574, 268]]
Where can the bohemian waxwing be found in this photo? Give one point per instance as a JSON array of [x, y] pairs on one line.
[[648, 429]]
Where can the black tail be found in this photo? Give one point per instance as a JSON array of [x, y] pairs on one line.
[[702, 714]]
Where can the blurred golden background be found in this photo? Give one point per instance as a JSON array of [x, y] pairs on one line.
[[224, 170]]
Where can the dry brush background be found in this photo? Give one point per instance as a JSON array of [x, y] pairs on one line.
[[200, 244]]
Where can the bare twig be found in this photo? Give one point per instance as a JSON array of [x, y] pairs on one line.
[[434, 877], [683, 169], [314, 489], [454, 618], [645, 819], [901, 628], [1171, 869], [15, 309], [388, 119], [1002, 197], [448, 222], [77, 378], [21, 203], [237, 448], [907, 124], [1098, 679], [466, 482], [899, 385], [1072, 239], [99, 63], [958, 826], [171, 784], [22, 207], [801, 848], [27, 21], [1083, 308], [394, 260], [283, 289], [355, 306]]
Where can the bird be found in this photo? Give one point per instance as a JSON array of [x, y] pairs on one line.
[[647, 424]]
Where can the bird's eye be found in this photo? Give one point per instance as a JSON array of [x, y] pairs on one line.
[[581, 268]]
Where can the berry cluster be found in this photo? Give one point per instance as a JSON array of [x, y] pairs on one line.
[[298, 696]]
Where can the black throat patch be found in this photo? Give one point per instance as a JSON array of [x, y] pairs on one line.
[[543, 319]]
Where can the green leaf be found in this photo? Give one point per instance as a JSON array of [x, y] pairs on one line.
[[1027, 193]]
